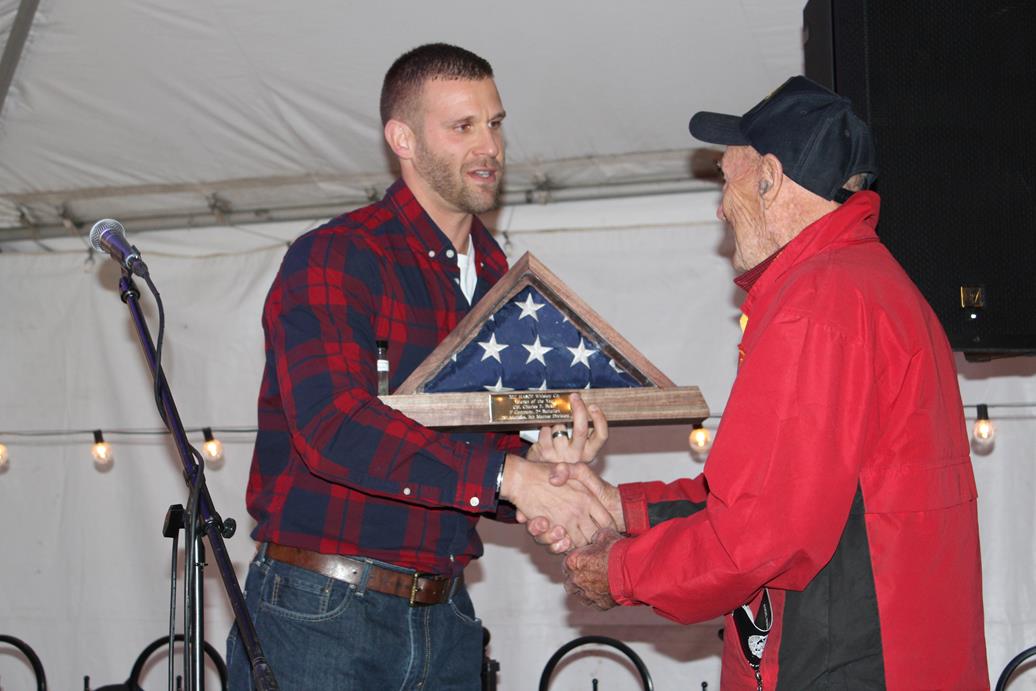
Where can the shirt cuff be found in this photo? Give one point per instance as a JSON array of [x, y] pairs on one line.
[[476, 492], [634, 508]]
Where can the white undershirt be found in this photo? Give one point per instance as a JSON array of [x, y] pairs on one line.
[[468, 276], [468, 279]]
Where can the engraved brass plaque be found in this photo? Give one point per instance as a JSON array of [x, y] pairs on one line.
[[521, 406]]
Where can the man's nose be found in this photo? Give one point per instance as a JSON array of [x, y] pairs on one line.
[[489, 143]]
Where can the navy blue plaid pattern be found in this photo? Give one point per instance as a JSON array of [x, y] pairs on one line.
[[335, 470]]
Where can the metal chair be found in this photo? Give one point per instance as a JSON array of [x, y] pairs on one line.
[[132, 683], [30, 654], [1016, 661], [548, 669]]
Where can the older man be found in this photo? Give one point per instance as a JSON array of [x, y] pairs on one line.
[[834, 525]]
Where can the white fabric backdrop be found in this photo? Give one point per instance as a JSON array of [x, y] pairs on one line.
[[85, 568]]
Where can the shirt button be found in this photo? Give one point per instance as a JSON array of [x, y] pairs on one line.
[[474, 501], [457, 281], [450, 253], [407, 491], [431, 253]]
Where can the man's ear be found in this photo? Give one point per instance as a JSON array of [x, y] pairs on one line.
[[400, 138], [771, 175]]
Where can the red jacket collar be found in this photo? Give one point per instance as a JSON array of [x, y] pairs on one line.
[[852, 222], [746, 280]]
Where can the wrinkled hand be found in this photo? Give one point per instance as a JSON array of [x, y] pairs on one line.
[[555, 445], [570, 505], [555, 536], [586, 570]]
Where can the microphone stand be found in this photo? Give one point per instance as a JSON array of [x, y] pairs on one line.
[[210, 524]]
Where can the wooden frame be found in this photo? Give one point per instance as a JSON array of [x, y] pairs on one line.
[[656, 401], [635, 406]]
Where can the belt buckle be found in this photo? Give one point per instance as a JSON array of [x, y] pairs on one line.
[[414, 590]]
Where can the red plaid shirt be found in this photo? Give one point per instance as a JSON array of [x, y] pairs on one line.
[[334, 469]]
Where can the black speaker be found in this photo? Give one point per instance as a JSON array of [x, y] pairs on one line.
[[949, 90]]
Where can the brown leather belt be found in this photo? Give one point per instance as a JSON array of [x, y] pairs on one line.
[[416, 588]]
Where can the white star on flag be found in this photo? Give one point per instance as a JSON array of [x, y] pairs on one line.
[[536, 351], [498, 387], [581, 354], [529, 308], [492, 348], [529, 353]]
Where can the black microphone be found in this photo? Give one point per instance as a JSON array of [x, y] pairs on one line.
[[109, 236]]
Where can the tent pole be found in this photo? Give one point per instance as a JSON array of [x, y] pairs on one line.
[[15, 44]]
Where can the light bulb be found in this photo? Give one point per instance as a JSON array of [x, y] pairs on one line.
[[700, 439], [212, 449], [102, 453], [983, 433], [5, 457]]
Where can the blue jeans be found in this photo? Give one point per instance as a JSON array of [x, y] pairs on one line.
[[321, 634]]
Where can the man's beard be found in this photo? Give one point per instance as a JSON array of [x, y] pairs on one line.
[[450, 185]]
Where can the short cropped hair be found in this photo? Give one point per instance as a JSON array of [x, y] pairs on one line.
[[403, 82]]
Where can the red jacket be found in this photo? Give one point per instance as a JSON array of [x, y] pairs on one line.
[[840, 481]]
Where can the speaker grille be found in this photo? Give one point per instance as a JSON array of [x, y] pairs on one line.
[[949, 89]]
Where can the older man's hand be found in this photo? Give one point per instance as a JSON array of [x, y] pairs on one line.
[[586, 570]]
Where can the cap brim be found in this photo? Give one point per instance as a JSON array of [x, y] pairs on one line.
[[717, 128]]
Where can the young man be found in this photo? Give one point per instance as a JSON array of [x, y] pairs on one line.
[[366, 519]]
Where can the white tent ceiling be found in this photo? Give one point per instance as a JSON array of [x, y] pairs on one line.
[[204, 112], [151, 110]]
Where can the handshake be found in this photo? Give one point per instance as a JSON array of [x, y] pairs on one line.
[[567, 506]]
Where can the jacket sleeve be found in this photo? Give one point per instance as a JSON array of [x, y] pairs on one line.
[[646, 504], [321, 328], [781, 477]]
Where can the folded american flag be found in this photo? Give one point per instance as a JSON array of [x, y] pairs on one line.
[[529, 344]]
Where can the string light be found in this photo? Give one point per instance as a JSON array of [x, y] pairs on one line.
[[102, 452], [700, 439], [212, 449], [983, 434]]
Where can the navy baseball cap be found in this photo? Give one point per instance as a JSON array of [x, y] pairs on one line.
[[811, 130]]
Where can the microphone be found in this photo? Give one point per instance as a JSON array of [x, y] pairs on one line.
[[109, 236]]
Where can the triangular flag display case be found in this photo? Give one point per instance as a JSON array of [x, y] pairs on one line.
[[516, 357]]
